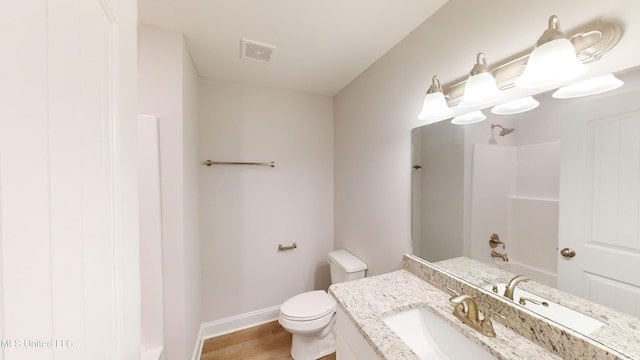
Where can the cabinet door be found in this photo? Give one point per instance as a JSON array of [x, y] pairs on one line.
[[350, 344], [343, 352]]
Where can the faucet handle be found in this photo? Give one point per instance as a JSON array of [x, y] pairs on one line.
[[457, 306], [497, 314], [494, 287], [487, 325], [454, 292], [523, 301], [494, 241]]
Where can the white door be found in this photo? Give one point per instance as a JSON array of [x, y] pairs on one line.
[[69, 273], [600, 201]]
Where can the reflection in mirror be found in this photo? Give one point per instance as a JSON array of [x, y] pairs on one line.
[[503, 176], [599, 323], [437, 194]]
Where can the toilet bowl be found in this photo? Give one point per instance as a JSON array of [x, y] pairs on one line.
[[310, 316]]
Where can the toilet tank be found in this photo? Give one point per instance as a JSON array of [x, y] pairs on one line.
[[344, 266]]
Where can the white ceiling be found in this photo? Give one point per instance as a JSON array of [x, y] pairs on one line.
[[321, 45]]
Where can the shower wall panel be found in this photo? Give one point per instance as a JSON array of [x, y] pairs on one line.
[[514, 193]]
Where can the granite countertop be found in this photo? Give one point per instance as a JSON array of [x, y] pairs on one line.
[[621, 331], [368, 301]]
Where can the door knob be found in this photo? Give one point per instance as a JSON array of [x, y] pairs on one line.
[[568, 252]]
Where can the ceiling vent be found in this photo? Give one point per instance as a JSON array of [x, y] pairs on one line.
[[254, 50]]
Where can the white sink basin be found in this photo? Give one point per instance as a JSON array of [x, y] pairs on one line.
[[430, 337], [572, 319]]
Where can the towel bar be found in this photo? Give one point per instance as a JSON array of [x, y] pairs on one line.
[[210, 162]]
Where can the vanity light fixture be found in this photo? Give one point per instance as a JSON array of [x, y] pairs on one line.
[[516, 106], [481, 88], [435, 106], [553, 60], [583, 45], [469, 118], [596, 85]]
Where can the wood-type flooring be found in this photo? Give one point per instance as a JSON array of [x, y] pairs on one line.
[[264, 342]]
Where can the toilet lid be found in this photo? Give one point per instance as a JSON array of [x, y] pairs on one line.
[[308, 306]]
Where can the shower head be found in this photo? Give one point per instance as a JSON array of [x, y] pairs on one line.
[[504, 131]]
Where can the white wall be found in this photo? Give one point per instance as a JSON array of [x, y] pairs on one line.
[[168, 90], [375, 113], [246, 211]]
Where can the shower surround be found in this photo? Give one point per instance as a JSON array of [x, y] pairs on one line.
[[514, 193]]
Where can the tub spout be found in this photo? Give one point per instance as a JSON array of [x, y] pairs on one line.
[[499, 255]]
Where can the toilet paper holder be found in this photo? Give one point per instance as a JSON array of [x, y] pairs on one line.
[[284, 248]]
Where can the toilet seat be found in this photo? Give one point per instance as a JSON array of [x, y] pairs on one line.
[[308, 306]]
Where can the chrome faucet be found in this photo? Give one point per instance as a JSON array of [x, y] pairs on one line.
[[471, 317], [499, 255], [508, 292]]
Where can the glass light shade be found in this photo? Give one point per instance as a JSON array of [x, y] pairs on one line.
[[516, 106], [597, 85], [481, 89], [470, 118], [551, 63], [435, 107]]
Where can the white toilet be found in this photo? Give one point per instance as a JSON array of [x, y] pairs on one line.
[[310, 316]]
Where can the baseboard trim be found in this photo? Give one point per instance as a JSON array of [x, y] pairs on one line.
[[239, 322], [231, 324], [198, 349]]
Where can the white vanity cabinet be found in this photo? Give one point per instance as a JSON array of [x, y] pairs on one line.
[[350, 344]]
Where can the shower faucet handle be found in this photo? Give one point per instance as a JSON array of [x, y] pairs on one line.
[[494, 241]]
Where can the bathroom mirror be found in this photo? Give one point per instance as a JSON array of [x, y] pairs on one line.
[[502, 176]]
